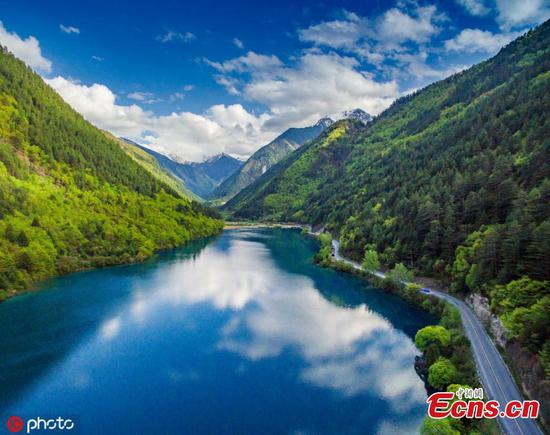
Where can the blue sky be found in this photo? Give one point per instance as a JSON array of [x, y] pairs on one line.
[[196, 78]]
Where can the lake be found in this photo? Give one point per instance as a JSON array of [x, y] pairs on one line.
[[239, 334]]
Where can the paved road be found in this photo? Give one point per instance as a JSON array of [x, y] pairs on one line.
[[493, 372]]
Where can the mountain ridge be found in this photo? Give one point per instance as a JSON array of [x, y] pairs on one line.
[[267, 156], [200, 178]]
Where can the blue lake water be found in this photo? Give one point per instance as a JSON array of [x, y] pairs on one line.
[[239, 334]]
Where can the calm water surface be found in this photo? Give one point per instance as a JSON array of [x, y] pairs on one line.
[[241, 334]]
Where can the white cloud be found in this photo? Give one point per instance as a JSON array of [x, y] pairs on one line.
[[180, 95], [249, 62], [417, 66], [318, 85], [69, 29], [97, 104], [97, 58], [335, 34], [28, 50], [475, 7], [144, 97], [389, 30], [479, 41], [229, 83], [515, 14], [396, 26], [315, 86], [140, 96], [238, 43], [229, 129], [170, 36], [176, 96]]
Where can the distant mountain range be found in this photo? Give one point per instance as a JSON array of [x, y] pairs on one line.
[[221, 177], [275, 151], [219, 167], [199, 178]]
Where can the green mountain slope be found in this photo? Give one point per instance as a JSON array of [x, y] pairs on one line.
[[453, 181], [200, 178], [266, 157], [70, 198], [151, 165], [281, 193]]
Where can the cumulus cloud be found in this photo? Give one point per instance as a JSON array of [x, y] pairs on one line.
[[516, 14], [415, 64], [69, 29], [171, 36], [389, 30], [28, 50], [475, 7], [221, 128], [238, 43], [396, 26], [336, 34], [315, 86], [479, 41], [396, 42]]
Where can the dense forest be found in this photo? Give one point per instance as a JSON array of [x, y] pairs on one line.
[[70, 198], [453, 181]]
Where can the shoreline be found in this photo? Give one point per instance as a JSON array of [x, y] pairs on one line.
[[229, 225]]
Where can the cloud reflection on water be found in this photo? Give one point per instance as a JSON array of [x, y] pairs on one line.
[[350, 350]]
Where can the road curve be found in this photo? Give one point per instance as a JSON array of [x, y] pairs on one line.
[[495, 377]]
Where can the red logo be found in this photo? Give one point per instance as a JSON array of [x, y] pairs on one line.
[[15, 423], [444, 404]]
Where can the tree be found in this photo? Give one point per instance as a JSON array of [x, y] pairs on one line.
[[522, 292], [432, 335], [10, 234], [400, 274], [441, 373], [370, 261], [23, 239], [531, 326], [437, 427]]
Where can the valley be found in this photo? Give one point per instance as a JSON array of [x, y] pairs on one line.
[[330, 215]]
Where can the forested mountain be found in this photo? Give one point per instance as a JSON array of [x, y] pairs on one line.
[[452, 180], [266, 157], [151, 164], [70, 198], [199, 178]]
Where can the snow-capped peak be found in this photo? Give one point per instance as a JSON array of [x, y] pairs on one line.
[[324, 122], [357, 114]]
